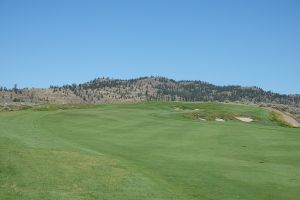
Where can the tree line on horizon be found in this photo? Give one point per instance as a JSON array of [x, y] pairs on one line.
[[146, 88], [161, 88]]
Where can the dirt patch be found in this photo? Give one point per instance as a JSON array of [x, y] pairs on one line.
[[244, 119], [286, 117]]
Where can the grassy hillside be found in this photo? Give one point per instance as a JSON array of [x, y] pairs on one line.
[[148, 150]]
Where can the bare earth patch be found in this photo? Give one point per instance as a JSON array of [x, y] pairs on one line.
[[287, 118], [244, 119]]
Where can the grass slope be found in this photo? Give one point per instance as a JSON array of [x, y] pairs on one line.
[[147, 151]]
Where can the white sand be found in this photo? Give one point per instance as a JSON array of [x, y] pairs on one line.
[[245, 119], [202, 119], [220, 120]]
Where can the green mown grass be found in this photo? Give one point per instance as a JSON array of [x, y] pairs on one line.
[[147, 151]]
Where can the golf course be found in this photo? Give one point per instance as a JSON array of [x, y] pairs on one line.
[[148, 150]]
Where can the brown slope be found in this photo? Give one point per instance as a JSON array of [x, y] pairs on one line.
[[287, 118]]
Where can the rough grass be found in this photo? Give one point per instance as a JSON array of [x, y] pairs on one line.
[[14, 108], [146, 151], [54, 107], [211, 111], [277, 118]]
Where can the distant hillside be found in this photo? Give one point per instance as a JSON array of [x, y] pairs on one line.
[[102, 90]]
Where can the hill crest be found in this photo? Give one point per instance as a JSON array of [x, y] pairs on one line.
[[103, 90]]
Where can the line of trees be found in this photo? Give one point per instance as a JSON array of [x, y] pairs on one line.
[[161, 88]]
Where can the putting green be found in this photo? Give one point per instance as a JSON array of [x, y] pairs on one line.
[[150, 150]]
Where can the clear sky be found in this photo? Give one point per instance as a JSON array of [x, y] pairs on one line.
[[249, 43]]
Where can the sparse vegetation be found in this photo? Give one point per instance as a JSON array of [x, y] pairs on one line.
[[278, 119], [103, 90]]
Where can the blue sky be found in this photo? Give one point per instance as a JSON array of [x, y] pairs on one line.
[[222, 42]]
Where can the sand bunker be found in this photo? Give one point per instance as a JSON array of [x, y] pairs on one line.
[[202, 119], [196, 109], [177, 109], [220, 120], [245, 119]]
